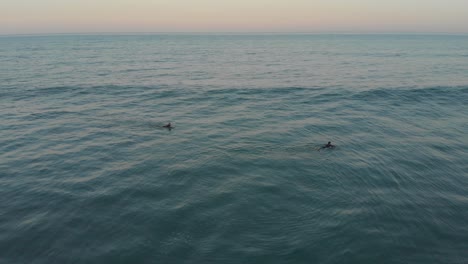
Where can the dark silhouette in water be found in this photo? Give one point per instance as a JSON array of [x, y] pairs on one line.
[[168, 126], [328, 145]]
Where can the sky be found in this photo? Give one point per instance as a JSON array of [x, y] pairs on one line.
[[304, 16]]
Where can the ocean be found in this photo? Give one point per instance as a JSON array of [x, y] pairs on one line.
[[89, 175]]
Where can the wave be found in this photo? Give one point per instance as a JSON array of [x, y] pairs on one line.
[[437, 93], [304, 93]]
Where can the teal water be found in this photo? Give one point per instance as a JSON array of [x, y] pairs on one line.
[[88, 175]]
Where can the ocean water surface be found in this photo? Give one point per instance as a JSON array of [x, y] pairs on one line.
[[88, 174]]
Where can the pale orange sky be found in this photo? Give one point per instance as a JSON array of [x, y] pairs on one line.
[[360, 16]]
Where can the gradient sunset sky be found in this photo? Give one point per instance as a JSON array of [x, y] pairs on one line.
[[314, 16]]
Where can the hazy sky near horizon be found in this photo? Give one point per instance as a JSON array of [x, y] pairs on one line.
[[315, 16]]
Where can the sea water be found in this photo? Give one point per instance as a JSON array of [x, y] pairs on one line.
[[88, 174]]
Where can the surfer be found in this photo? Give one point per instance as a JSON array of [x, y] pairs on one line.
[[328, 145], [169, 126]]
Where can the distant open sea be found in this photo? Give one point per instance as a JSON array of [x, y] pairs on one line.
[[88, 174]]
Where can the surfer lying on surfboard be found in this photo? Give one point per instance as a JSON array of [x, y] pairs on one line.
[[168, 125], [328, 145]]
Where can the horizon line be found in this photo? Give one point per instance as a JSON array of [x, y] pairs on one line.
[[234, 33]]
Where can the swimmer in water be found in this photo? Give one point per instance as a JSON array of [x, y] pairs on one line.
[[168, 125], [328, 145]]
